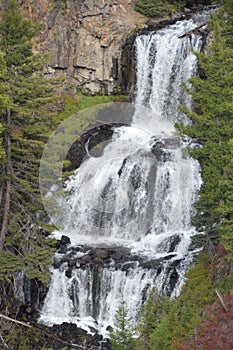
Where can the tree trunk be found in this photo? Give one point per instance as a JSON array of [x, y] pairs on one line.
[[195, 30], [7, 194]]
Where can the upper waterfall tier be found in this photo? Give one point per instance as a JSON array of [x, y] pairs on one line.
[[163, 62]]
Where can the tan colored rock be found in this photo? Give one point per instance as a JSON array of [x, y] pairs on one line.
[[84, 38]]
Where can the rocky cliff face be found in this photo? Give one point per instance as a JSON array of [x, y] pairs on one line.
[[84, 39]]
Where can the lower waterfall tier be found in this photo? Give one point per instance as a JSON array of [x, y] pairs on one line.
[[89, 283]]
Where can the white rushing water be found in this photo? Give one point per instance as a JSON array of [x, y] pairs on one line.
[[139, 194]]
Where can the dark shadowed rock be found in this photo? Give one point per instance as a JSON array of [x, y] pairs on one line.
[[68, 273], [64, 240]]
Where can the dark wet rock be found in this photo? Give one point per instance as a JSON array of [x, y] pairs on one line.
[[87, 141], [71, 263], [62, 249], [158, 149], [119, 253], [119, 258], [161, 149], [120, 171], [62, 244], [171, 142], [128, 265], [173, 242], [135, 178], [86, 259], [64, 240], [57, 263], [174, 276], [74, 335], [29, 310], [169, 244], [68, 273], [100, 253]]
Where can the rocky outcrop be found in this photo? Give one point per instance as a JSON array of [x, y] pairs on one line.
[[91, 42], [84, 39]]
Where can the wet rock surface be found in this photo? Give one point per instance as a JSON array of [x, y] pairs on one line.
[[80, 337], [122, 258], [84, 147]]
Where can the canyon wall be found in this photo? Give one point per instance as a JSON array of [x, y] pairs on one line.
[[84, 39]]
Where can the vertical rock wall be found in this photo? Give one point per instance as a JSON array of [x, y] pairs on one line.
[[85, 40]]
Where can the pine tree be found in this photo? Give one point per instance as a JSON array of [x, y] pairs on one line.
[[149, 318], [26, 122], [212, 127], [122, 337], [161, 337], [227, 21], [3, 102]]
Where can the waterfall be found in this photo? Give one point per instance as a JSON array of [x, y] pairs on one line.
[[129, 210]]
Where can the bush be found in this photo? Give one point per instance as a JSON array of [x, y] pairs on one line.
[[157, 8]]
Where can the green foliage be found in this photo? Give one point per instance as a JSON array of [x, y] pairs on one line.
[[122, 337], [227, 22], [216, 330], [212, 126], [158, 8], [162, 335], [81, 101], [3, 101], [25, 122], [149, 315], [23, 338], [9, 264], [60, 4], [166, 321]]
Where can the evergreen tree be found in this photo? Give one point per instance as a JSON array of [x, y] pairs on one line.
[[26, 123], [122, 337], [228, 22], [212, 127], [3, 102], [149, 318]]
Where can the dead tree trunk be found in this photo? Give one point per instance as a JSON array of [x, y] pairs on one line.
[[195, 30]]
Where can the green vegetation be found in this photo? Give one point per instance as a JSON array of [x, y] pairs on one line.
[[198, 319], [212, 127], [165, 322], [25, 124], [27, 117], [167, 8], [180, 321], [29, 113], [81, 101], [122, 337], [158, 8]]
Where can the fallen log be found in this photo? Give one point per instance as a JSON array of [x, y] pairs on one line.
[[15, 321], [196, 29], [221, 300], [44, 332]]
